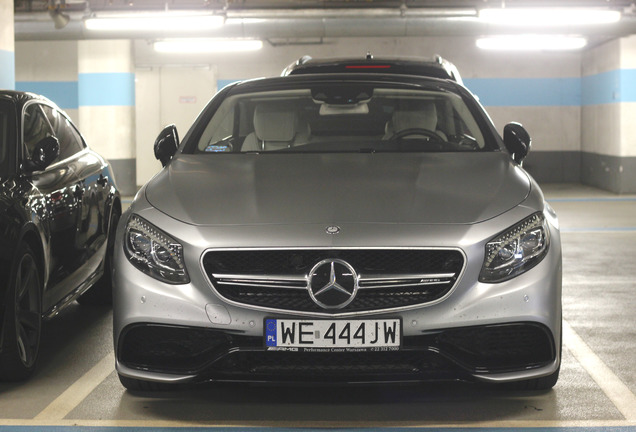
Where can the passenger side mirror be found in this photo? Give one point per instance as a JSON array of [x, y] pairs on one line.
[[44, 153], [517, 141], [166, 144]]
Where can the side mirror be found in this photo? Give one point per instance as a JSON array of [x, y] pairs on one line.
[[44, 153], [166, 144], [517, 141]]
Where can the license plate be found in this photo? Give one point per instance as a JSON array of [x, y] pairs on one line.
[[333, 335]]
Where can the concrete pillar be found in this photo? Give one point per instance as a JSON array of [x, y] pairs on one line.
[[106, 93], [7, 50], [49, 68], [608, 94]]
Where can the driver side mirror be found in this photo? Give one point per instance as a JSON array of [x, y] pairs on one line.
[[517, 141], [44, 153], [166, 144]]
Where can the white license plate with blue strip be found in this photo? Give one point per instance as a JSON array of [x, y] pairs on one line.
[[333, 335]]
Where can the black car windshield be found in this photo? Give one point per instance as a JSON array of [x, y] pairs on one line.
[[342, 117], [6, 137]]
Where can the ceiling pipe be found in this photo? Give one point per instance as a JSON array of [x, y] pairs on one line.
[[368, 23]]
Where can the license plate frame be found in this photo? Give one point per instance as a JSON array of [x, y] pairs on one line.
[[332, 335]]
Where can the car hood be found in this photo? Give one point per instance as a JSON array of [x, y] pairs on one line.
[[247, 189]]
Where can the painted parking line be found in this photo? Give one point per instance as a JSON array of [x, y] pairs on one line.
[[599, 199], [598, 230], [612, 386], [78, 391]]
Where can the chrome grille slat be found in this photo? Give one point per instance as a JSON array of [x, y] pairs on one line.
[[287, 278], [260, 284], [262, 281], [402, 285], [404, 280], [365, 282]]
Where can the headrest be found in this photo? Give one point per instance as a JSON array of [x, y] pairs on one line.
[[424, 116], [274, 122]]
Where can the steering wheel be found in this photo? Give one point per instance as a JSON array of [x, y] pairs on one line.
[[416, 131]]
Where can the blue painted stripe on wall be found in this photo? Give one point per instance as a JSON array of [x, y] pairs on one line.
[[106, 89], [617, 86], [602, 88], [224, 83], [609, 87], [63, 93], [526, 91], [628, 85], [7, 70]]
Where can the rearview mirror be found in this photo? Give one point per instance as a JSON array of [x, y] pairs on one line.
[[44, 153], [517, 141], [166, 144]]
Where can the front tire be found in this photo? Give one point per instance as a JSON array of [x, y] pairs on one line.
[[23, 318]]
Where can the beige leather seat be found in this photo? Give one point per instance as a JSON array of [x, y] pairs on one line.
[[424, 116], [275, 128]]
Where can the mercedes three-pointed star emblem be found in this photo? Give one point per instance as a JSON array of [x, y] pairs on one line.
[[332, 283]]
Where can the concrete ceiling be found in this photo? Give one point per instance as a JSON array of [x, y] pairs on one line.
[[247, 5], [298, 19]]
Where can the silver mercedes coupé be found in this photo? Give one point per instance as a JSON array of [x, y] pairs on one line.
[[339, 228]]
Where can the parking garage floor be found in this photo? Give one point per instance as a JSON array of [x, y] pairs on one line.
[[76, 387]]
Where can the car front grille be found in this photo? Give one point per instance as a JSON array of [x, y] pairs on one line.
[[387, 278]]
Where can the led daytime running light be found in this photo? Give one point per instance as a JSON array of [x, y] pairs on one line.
[[516, 250]]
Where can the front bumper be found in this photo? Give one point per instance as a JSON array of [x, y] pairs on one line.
[[203, 354], [502, 332]]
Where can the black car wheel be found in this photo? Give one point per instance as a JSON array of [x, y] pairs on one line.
[[23, 318], [102, 292]]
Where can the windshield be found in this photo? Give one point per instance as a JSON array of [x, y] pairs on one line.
[[342, 118], [6, 137]]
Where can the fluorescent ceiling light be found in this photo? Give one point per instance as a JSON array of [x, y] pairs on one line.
[[549, 16], [207, 45], [532, 43], [166, 21]]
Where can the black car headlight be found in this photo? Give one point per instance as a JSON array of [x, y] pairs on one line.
[[516, 250], [154, 252]]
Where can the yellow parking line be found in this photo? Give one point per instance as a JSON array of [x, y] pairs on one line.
[[78, 391], [612, 386]]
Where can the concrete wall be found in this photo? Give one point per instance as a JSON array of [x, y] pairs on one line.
[[7, 55], [608, 145], [540, 90], [50, 68], [577, 106], [167, 95], [93, 81]]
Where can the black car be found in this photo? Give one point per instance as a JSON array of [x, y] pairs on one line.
[[59, 208], [436, 67]]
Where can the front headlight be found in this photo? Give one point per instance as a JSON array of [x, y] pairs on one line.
[[154, 252], [516, 250]]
